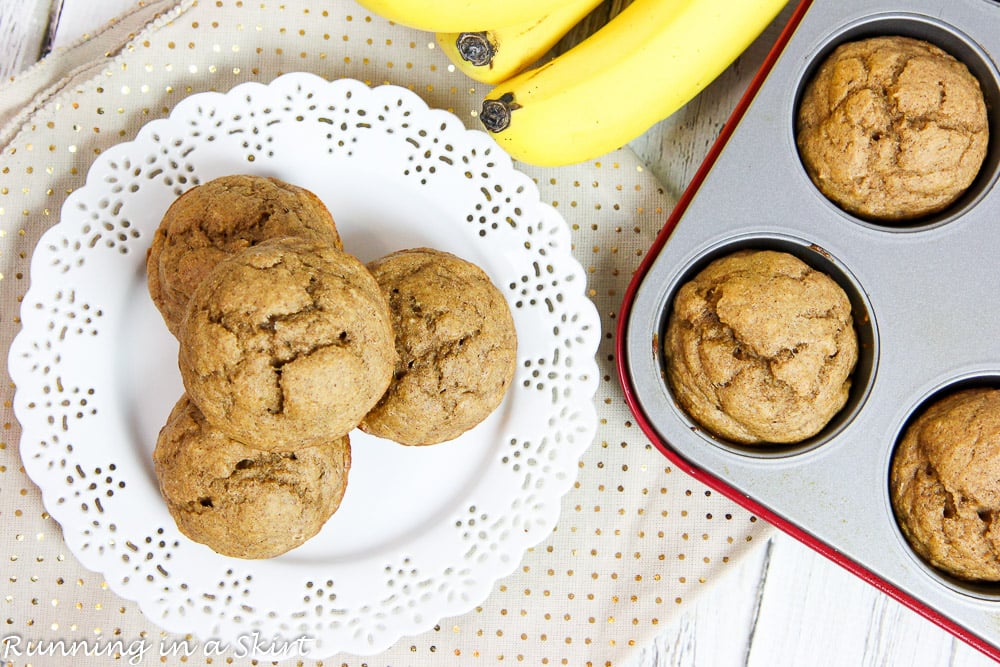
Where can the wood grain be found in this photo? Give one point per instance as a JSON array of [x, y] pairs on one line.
[[24, 30]]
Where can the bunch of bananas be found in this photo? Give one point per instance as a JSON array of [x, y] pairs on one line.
[[642, 65]]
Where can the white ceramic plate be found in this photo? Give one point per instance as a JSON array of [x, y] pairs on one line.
[[422, 533]]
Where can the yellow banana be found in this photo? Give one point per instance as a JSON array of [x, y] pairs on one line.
[[492, 56], [459, 15], [639, 68]]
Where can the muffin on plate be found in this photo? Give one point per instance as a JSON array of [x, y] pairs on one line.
[[241, 501], [219, 218], [760, 348], [287, 344], [456, 347], [892, 128], [945, 484]]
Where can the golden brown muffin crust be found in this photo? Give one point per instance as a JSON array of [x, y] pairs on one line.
[[760, 348], [240, 501], [456, 347], [219, 218], [892, 128], [945, 484], [287, 344]]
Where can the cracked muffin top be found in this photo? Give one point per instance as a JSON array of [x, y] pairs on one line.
[[219, 218], [892, 128], [760, 348], [944, 484], [456, 347], [240, 501], [287, 344]]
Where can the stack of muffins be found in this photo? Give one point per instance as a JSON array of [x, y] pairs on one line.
[[287, 343]]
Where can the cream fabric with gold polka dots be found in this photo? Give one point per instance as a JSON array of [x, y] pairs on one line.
[[637, 539]]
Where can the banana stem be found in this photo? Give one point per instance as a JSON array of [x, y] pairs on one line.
[[475, 48], [496, 113]]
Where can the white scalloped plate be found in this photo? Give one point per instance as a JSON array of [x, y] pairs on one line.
[[422, 533]]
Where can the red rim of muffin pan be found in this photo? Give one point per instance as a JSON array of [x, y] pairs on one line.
[[831, 492]]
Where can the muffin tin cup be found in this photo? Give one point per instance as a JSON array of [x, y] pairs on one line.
[[818, 259], [959, 44], [983, 590], [921, 293]]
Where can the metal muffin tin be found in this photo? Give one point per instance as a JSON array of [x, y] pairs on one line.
[[923, 295]]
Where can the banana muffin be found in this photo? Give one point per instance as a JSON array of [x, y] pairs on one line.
[[240, 501], [455, 342], [760, 348], [892, 128], [219, 218], [287, 344], [945, 484]]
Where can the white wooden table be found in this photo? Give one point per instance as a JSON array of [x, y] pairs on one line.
[[787, 606]]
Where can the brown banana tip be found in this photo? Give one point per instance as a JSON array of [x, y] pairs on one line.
[[475, 48], [496, 113]]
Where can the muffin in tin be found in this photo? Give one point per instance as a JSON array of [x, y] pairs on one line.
[[892, 128], [760, 348], [945, 484]]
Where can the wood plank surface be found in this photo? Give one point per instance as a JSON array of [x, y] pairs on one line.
[[24, 29]]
